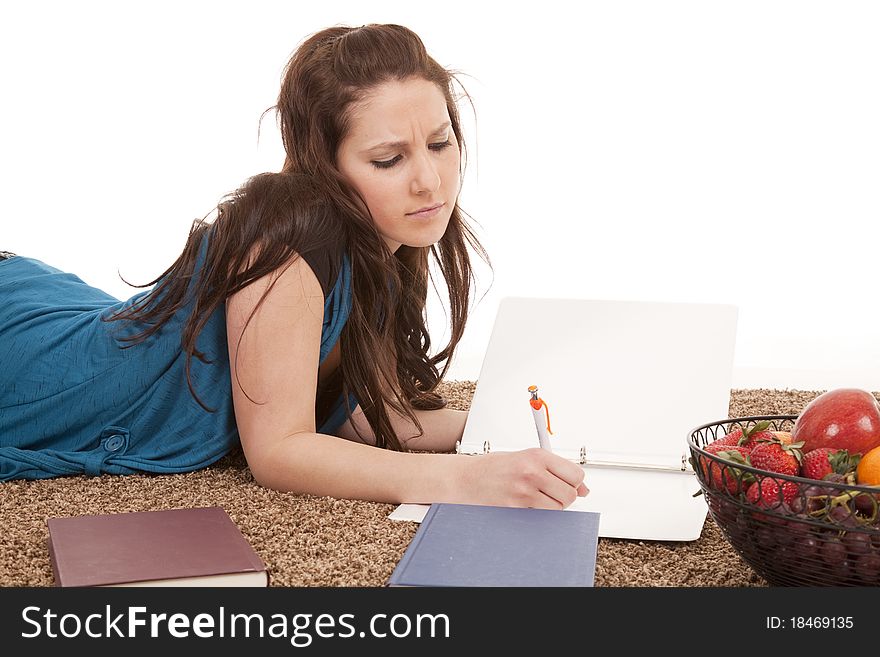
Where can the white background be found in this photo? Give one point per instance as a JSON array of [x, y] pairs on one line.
[[669, 151]]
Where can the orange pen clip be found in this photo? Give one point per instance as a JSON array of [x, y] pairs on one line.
[[537, 403]]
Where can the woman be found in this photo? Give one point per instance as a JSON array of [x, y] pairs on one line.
[[292, 323]]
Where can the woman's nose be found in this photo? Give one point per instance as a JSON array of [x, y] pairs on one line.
[[426, 177]]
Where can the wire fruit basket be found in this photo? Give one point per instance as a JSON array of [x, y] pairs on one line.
[[803, 532]]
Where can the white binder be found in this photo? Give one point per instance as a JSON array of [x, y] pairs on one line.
[[625, 381]]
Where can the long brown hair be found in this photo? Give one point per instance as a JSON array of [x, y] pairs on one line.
[[385, 342]]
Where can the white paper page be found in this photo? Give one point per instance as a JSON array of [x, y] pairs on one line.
[[644, 505], [411, 512]]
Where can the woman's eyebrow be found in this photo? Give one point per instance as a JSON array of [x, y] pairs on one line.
[[401, 144]]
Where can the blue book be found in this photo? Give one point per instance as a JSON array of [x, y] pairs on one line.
[[471, 545]]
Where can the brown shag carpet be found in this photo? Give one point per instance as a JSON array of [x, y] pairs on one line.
[[320, 541]]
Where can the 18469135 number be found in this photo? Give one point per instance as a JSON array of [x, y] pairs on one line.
[[810, 623], [821, 622]]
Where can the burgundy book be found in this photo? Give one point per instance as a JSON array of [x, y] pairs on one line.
[[174, 547]]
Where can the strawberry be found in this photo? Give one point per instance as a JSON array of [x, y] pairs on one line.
[[776, 456], [823, 461], [749, 437], [724, 476], [731, 438], [757, 437], [770, 493]]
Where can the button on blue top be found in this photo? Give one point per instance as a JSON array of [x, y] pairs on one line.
[[114, 443]]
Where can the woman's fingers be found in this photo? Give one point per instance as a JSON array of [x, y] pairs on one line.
[[531, 478], [562, 481], [544, 501], [569, 473]]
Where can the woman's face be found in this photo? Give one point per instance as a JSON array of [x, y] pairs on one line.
[[402, 156]]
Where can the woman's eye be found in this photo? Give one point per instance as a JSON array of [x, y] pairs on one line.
[[386, 164]]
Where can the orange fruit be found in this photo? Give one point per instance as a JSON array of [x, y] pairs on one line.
[[868, 469]]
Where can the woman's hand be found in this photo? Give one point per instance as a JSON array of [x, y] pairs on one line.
[[528, 478]]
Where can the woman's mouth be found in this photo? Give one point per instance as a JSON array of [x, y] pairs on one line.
[[426, 213]]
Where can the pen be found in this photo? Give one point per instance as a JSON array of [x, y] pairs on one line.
[[537, 404]]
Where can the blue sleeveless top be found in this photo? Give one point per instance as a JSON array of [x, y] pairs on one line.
[[75, 399]]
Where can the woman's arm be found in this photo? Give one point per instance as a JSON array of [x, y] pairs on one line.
[[274, 365], [442, 429]]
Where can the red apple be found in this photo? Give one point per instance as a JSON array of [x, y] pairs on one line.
[[845, 418]]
